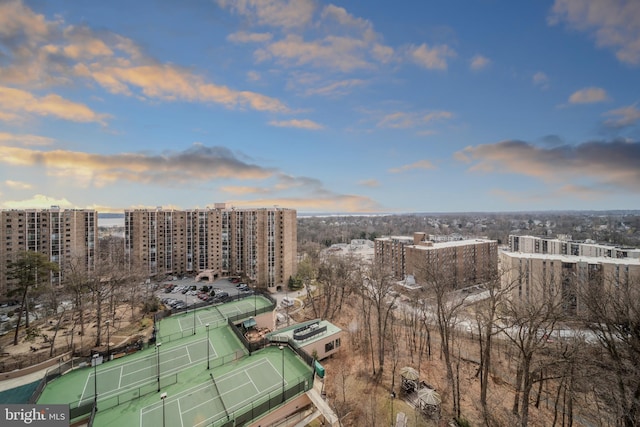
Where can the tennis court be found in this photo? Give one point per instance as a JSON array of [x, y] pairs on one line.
[[215, 399], [112, 380], [181, 325], [209, 377]]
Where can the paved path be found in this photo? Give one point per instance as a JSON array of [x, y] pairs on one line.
[[23, 380]]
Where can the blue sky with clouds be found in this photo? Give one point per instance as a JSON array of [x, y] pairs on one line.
[[345, 106]]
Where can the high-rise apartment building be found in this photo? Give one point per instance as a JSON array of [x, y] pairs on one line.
[[65, 236], [467, 262], [563, 245], [531, 275], [257, 243], [534, 265]]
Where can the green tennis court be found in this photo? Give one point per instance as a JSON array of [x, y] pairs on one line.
[[219, 397], [181, 325], [208, 376], [112, 380]]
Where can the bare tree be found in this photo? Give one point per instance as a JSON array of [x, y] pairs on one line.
[[336, 281], [377, 289], [528, 323], [27, 272], [612, 311], [440, 285], [496, 289]]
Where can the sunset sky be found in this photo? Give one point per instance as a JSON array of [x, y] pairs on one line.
[[345, 106]]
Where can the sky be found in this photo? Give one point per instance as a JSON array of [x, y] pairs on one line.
[[343, 106]]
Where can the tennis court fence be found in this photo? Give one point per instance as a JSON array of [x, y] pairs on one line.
[[264, 405], [135, 393], [55, 372]]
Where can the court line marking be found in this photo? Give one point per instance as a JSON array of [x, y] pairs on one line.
[[84, 389], [146, 380], [204, 385], [120, 379], [228, 375], [180, 412], [186, 347]]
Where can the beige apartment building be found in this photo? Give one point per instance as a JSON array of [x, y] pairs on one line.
[[563, 245], [467, 262], [530, 275], [66, 236], [260, 244]]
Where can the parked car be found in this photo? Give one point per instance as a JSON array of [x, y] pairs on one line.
[[221, 297], [241, 286], [287, 302]]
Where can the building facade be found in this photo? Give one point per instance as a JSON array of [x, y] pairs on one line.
[[563, 245], [531, 275], [260, 244], [65, 236], [467, 262]]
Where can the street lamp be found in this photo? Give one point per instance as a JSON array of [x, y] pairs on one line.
[[194, 317], [108, 337], [95, 379], [282, 350], [163, 396], [207, 326], [158, 362]]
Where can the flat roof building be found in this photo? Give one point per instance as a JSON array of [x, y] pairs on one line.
[[260, 244], [467, 262], [531, 274], [65, 236]]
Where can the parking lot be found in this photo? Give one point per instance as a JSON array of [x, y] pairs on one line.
[[183, 293]]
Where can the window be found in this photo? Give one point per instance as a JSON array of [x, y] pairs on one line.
[[328, 347]]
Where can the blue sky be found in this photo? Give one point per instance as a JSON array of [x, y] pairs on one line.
[[344, 106]]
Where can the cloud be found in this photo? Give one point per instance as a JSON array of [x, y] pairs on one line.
[[420, 164], [39, 201], [589, 95], [45, 53], [195, 164], [541, 79], [171, 83], [371, 183], [339, 40], [25, 139], [294, 123], [623, 117], [346, 19], [615, 24], [339, 88], [479, 62], [404, 120], [613, 165], [277, 13], [17, 185], [19, 24], [16, 101], [253, 76], [244, 37], [342, 53], [431, 58]]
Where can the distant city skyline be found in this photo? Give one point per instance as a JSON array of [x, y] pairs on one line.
[[318, 106]]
